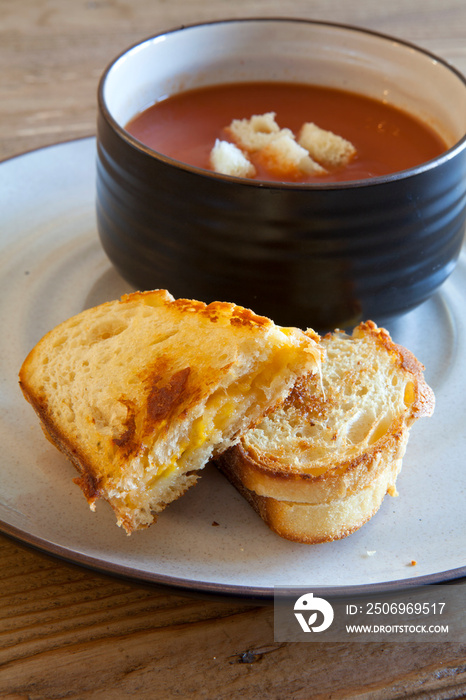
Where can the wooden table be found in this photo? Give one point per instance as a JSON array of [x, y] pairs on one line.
[[69, 632]]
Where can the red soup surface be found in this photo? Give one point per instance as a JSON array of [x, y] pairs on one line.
[[185, 126]]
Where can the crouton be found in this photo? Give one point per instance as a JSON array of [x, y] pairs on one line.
[[254, 133], [329, 149], [284, 157], [228, 159]]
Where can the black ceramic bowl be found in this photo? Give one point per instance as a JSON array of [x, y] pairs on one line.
[[310, 255]]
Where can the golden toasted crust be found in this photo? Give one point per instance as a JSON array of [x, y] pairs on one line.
[[318, 522], [139, 393], [424, 399], [333, 438], [266, 477]]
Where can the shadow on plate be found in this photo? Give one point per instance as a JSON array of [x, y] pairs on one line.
[[108, 287]]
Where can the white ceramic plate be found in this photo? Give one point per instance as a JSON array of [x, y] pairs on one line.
[[51, 267]]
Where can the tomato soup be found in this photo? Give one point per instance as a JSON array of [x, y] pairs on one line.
[[185, 126]]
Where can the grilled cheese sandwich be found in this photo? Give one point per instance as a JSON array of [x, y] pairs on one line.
[[140, 393]]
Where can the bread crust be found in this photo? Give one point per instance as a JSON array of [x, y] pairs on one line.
[[318, 523]]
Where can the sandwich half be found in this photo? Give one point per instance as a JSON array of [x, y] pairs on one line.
[[318, 466], [140, 393]]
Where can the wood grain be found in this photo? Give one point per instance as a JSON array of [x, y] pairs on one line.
[[66, 632], [52, 53]]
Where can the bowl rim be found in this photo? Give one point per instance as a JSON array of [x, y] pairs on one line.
[[277, 185]]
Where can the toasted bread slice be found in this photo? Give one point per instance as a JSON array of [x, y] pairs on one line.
[[140, 393], [318, 466]]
